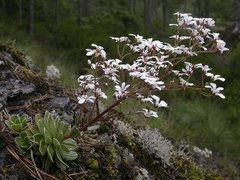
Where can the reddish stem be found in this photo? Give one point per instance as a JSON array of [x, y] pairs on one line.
[[97, 118]]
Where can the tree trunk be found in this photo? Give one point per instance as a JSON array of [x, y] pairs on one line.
[[236, 29], [147, 14], [31, 16], [55, 10], [78, 11], [132, 6], [237, 17], [20, 12], [207, 6], [164, 13], [85, 11], [197, 7], [9, 7]]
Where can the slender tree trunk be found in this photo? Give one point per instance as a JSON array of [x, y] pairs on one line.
[[56, 10], [31, 17], [134, 6], [164, 13], [130, 5], [147, 14], [197, 7], [85, 10], [78, 11], [9, 7], [236, 29], [20, 12], [207, 6]]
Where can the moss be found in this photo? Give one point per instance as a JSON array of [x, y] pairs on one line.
[[186, 169], [93, 163], [110, 160], [18, 57]]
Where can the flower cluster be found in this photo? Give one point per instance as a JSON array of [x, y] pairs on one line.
[[158, 67]]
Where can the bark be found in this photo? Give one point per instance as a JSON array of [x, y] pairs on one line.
[[197, 7], [85, 10], [20, 12], [236, 29], [164, 13], [78, 10], [147, 14], [55, 10], [132, 6], [9, 7], [31, 17]]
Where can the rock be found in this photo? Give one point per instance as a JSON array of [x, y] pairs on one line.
[[108, 150]]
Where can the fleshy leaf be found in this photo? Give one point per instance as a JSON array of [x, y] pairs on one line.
[[56, 143], [47, 136], [60, 159], [70, 143], [42, 148], [69, 156], [50, 152]]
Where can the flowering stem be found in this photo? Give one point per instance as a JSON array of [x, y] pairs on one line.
[[97, 118]]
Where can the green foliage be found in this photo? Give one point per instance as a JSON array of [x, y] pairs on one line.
[[54, 140], [23, 140], [17, 123], [49, 138]]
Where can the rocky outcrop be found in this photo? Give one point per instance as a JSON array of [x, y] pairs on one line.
[[109, 150]]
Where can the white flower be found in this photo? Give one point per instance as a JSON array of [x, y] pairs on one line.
[[137, 37], [188, 68], [218, 77], [206, 21], [181, 38], [121, 91], [215, 77], [85, 99], [184, 19], [101, 94], [53, 72], [176, 72], [205, 31], [98, 51], [221, 46], [215, 90], [159, 103], [149, 113], [204, 68], [184, 83], [110, 71], [87, 82], [148, 99], [120, 39], [153, 82], [215, 35]]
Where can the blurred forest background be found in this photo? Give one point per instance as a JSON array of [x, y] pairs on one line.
[[58, 32]]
